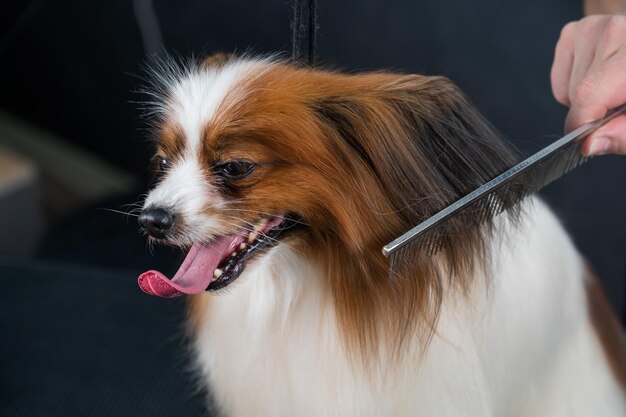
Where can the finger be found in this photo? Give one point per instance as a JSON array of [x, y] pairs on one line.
[[612, 39], [608, 139], [588, 36], [562, 64], [598, 92]]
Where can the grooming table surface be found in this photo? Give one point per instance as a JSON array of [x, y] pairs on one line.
[[87, 342]]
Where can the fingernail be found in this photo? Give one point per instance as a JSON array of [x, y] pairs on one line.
[[600, 146]]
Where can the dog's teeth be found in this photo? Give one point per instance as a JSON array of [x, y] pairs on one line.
[[232, 255], [217, 273], [259, 226], [242, 246], [252, 236]]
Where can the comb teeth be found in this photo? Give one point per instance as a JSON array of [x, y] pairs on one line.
[[500, 199], [503, 193]]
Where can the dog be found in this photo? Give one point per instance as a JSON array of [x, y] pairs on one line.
[[284, 182]]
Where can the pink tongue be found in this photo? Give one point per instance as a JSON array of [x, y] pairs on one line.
[[195, 273]]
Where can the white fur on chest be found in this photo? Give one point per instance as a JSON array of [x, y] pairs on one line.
[[270, 344], [522, 347]]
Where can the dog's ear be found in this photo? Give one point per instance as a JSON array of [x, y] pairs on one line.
[[453, 144], [419, 145], [426, 146], [422, 138]]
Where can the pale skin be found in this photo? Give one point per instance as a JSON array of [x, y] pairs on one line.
[[589, 73]]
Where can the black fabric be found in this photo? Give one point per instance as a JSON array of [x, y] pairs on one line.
[[79, 341]]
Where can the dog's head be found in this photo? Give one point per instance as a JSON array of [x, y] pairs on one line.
[[253, 154]]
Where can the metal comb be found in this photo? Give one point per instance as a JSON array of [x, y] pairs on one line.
[[525, 178]]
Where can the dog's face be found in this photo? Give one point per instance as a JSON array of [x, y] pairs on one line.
[[244, 163]]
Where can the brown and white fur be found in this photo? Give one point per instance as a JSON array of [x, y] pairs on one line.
[[506, 321]]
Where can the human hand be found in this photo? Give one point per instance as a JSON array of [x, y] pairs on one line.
[[589, 75]]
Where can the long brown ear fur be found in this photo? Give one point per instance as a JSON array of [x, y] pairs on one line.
[[425, 146]]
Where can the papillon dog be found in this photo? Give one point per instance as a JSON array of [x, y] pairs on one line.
[[283, 183]]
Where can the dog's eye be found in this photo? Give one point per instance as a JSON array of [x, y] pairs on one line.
[[234, 170], [163, 164], [159, 163]]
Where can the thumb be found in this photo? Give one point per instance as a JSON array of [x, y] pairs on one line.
[[608, 139]]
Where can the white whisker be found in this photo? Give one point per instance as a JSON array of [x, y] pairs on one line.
[[119, 212]]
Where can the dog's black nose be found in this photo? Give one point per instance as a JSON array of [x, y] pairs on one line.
[[156, 221]]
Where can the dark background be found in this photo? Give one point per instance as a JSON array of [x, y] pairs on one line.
[[74, 68]]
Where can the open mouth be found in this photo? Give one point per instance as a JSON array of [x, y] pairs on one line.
[[215, 265]]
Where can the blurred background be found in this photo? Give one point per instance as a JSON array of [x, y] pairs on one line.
[[78, 336]]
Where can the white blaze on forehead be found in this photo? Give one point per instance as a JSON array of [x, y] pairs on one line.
[[195, 99], [193, 102]]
